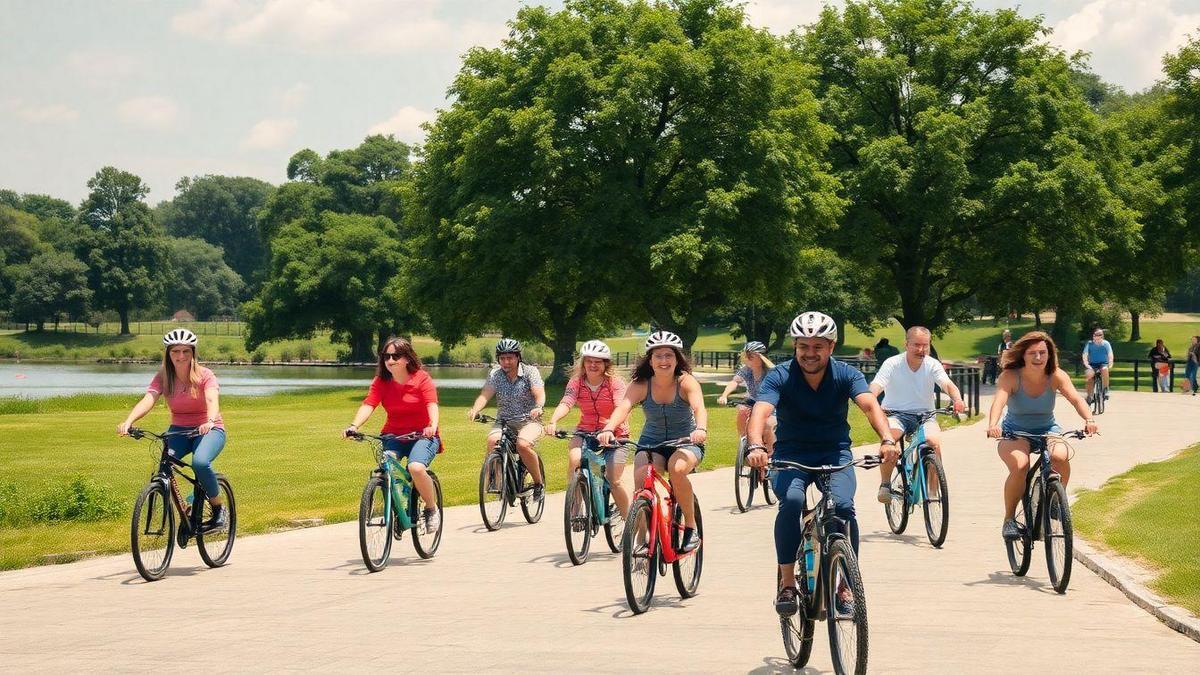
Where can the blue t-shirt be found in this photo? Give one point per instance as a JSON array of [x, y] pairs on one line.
[[1098, 353], [811, 420]]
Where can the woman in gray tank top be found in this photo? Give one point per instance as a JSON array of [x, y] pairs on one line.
[[674, 406], [1028, 386]]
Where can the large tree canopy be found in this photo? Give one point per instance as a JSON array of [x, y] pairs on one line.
[[197, 279], [52, 285]]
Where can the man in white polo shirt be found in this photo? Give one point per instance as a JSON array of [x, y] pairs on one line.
[[907, 381]]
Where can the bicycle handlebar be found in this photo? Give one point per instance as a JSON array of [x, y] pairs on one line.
[[360, 436], [673, 443], [865, 462], [1014, 435], [925, 415], [138, 434]]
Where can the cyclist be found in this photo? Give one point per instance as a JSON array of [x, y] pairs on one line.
[[751, 376], [674, 408], [410, 399], [596, 389], [1029, 383], [192, 394], [811, 394], [1097, 358], [907, 381], [520, 397]]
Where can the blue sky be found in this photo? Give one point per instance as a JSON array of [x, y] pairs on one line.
[[180, 88]]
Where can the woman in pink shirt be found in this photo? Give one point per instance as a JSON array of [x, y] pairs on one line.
[[193, 396], [596, 389]]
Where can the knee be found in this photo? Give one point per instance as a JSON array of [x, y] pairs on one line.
[[417, 469], [680, 471], [201, 463]]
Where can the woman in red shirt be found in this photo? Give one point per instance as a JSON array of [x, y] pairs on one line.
[[407, 393]]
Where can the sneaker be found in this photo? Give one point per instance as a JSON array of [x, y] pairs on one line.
[[1105, 396], [1011, 530], [433, 520], [1090, 399], [690, 541], [786, 602], [397, 529], [183, 534], [885, 493], [539, 492], [845, 601], [218, 521]]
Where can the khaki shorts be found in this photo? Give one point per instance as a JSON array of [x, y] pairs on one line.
[[529, 430]]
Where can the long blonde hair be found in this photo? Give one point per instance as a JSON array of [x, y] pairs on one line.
[[578, 371], [767, 364], [168, 373]]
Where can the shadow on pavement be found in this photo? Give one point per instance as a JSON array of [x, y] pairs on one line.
[[1005, 578], [909, 539], [775, 664]]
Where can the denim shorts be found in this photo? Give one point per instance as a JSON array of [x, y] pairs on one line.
[[422, 450], [1008, 426]]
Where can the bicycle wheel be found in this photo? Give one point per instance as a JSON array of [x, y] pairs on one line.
[[217, 544], [687, 568], [493, 502], [426, 542], [743, 478], [767, 491], [1018, 549], [897, 507], [1058, 536], [577, 519], [374, 524], [1034, 516], [847, 603], [533, 508], [639, 561], [797, 629], [152, 531], [937, 500]]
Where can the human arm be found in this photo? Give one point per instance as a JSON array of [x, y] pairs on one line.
[[759, 415], [432, 409], [140, 410], [690, 388], [869, 404], [212, 403], [730, 387], [485, 395], [999, 401], [360, 418], [633, 395]]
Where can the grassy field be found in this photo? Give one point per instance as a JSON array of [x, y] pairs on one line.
[[1149, 514], [284, 458]]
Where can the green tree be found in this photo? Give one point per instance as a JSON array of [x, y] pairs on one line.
[[199, 280], [124, 248], [52, 285], [19, 243], [223, 211]]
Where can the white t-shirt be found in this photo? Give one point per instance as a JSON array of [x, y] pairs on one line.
[[905, 389]]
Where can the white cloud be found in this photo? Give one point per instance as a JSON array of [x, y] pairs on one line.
[[152, 112], [294, 95], [101, 66], [269, 133], [368, 26], [47, 113], [405, 124], [782, 16]]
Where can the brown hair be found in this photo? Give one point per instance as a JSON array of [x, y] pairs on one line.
[[1014, 357], [643, 371], [403, 348], [168, 373], [577, 370]]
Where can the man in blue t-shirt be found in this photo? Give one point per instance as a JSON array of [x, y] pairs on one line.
[[811, 395], [1097, 358]]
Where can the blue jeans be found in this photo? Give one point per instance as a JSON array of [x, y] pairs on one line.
[[421, 451], [204, 449], [1190, 373], [789, 486]]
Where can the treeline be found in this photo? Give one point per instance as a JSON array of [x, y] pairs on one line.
[[664, 162]]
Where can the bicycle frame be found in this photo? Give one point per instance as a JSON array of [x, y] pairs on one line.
[[398, 478], [513, 465], [169, 467], [912, 448], [592, 455], [663, 505]]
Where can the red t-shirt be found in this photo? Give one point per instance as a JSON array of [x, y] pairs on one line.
[[188, 410], [406, 404]]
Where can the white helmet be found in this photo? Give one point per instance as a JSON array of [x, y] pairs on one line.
[[180, 336], [595, 349], [755, 346], [814, 325], [663, 338], [508, 346]]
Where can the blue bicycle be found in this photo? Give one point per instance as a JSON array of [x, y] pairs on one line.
[[919, 479], [589, 502]]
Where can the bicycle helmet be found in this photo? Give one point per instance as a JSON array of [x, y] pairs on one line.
[[663, 338], [508, 346], [595, 349], [814, 325], [180, 336], [755, 347]]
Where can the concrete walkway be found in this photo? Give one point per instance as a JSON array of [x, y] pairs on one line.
[[511, 601]]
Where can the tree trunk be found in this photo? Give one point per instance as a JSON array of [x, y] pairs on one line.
[[1135, 319], [123, 312], [1037, 320], [1063, 333], [360, 347], [41, 325], [563, 346]]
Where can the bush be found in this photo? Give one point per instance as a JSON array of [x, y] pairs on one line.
[[285, 355], [78, 499], [485, 354], [224, 349], [304, 351], [444, 356], [18, 405], [127, 352], [11, 511], [258, 355]]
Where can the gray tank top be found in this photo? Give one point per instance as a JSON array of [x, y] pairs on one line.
[[666, 421], [1031, 412]]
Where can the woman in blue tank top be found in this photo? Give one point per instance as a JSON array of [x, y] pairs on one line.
[[1028, 386], [674, 408]]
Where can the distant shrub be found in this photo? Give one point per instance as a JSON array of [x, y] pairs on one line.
[[285, 355], [11, 509], [304, 351], [258, 355], [79, 498], [18, 406]]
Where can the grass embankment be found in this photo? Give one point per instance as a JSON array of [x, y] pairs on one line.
[[284, 458], [1149, 514]]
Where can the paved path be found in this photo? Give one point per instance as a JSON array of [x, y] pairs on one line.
[[511, 601]]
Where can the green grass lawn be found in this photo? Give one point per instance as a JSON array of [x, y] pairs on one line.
[[1149, 514]]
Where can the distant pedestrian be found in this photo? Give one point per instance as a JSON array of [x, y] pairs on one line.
[[1160, 363], [1193, 364], [884, 350]]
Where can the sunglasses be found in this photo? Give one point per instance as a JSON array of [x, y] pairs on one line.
[[392, 356]]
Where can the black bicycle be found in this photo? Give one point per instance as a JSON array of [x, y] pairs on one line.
[[827, 569], [747, 480], [1099, 392], [1043, 512], [504, 480], [919, 478], [153, 531]]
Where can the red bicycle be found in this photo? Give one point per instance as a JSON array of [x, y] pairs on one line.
[[653, 533]]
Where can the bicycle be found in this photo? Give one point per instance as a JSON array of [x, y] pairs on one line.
[[380, 515], [152, 530], [1045, 499], [746, 479], [1099, 392], [654, 519], [825, 564], [502, 480], [589, 503], [910, 482]]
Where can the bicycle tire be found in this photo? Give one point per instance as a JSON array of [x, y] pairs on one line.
[[153, 519], [896, 508], [491, 494], [374, 524], [936, 508], [577, 518], [797, 629], [637, 553], [849, 650], [768, 491], [533, 511], [614, 527], [687, 569], [743, 478], [213, 539], [1035, 508], [1019, 549], [426, 543], [1059, 544]]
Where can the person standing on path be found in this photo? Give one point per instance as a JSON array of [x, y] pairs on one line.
[[1193, 364], [1027, 388], [520, 396], [1160, 365]]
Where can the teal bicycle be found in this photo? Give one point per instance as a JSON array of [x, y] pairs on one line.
[[589, 503], [919, 479], [390, 506]]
